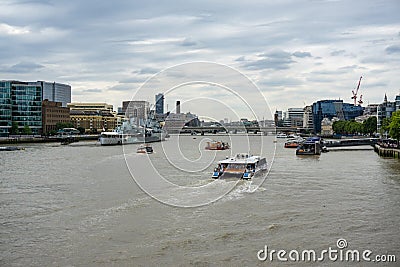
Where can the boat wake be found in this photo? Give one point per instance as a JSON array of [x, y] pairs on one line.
[[109, 213], [243, 188]]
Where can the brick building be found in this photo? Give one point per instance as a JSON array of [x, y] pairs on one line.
[[53, 113]]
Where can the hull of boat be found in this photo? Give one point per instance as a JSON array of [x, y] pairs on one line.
[[239, 174]]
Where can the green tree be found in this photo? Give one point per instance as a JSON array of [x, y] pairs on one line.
[[394, 126], [370, 125], [14, 128], [385, 125], [81, 129], [338, 127], [27, 130], [348, 127], [358, 127]]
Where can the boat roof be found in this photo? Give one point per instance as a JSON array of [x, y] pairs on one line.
[[240, 159]]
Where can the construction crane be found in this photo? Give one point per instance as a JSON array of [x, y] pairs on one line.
[[356, 92]]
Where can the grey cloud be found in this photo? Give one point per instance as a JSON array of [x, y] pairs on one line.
[[349, 68], [23, 67], [102, 42], [123, 87], [92, 90], [132, 80], [147, 70], [378, 84], [86, 91], [301, 54], [268, 63], [320, 79], [275, 60], [276, 54], [338, 52], [188, 42], [393, 49], [279, 82]]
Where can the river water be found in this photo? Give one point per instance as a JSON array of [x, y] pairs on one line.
[[78, 205]]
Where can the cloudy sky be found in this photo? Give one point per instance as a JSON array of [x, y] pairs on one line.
[[296, 52]]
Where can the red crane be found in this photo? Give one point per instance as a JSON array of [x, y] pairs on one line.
[[355, 94]]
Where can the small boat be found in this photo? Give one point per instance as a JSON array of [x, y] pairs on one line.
[[312, 146], [145, 149], [293, 143], [217, 145], [243, 166]]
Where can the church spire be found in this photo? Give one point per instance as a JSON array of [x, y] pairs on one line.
[[385, 99]]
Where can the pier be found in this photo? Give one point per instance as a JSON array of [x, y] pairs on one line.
[[350, 142]]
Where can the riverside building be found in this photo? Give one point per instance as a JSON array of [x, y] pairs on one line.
[[160, 104], [386, 109], [308, 118], [138, 110], [21, 104], [56, 92], [294, 117], [333, 108], [93, 117], [53, 113]]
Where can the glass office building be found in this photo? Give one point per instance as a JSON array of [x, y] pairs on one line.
[[5, 108], [56, 92], [159, 104], [21, 103], [333, 108]]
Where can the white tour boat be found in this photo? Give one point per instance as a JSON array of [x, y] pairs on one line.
[[243, 166]]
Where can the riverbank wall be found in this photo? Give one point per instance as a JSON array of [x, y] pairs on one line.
[[31, 139], [387, 152]]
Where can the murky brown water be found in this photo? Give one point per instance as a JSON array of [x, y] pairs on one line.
[[78, 205]]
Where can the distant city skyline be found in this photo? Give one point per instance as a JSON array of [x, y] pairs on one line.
[[296, 52]]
